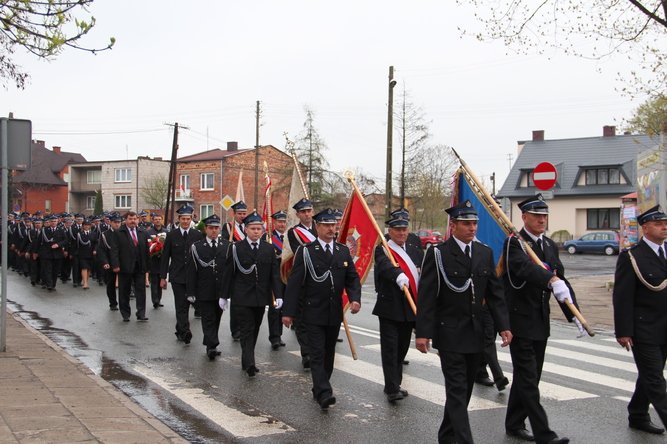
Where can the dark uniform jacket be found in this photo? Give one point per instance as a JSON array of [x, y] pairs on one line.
[[640, 313], [104, 247], [49, 237], [454, 320], [227, 227], [321, 301], [154, 262], [254, 289], [529, 304], [203, 269], [391, 301], [174, 251], [123, 252], [86, 244]]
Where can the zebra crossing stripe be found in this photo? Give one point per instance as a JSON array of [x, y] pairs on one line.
[[594, 346], [596, 360], [235, 422]]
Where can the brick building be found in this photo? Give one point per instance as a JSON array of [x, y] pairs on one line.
[[205, 178], [43, 186]]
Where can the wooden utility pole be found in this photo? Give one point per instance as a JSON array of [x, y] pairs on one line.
[[257, 156], [390, 131], [171, 187]]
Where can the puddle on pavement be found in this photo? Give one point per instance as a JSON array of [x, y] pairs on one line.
[[175, 414]]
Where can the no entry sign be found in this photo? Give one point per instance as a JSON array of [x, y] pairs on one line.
[[545, 176]]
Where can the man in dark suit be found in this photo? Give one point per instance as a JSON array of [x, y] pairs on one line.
[[235, 231], [322, 270], [50, 250], [129, 258], [203, 281], [104, 256], [154, 232], [299, 235], [251, 278], [274, 316], [458, 277], [640, 317], [528, 287], [397, 320], [33, 234], [176, 246]]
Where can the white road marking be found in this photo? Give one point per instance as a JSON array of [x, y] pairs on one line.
[[235, 422], [617, 351]]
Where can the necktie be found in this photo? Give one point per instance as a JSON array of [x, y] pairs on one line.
[[254, 246], [327, 248], [185, 234], [134, 237], [539, 244], [213, 243], [467, 251], [661, 253]]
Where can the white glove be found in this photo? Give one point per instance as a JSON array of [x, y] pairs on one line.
[[582, 331], [402, 280], [222, 303], [279, 304], [561, 292], [191, 299]]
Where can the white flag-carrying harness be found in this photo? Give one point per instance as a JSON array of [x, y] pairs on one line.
[[407, 265]]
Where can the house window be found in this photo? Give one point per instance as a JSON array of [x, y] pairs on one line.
[[206, 181], [94, 176], [603, 219], [123, 201], [603, 176], [122, 175], [47, 205], [90, 202], [205, 211], [184, 182]]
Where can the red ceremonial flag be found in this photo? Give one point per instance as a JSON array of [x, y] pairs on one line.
[[358, 232]]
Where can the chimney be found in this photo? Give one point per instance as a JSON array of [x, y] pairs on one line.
[[538, 136], [56, 149], [40, 143], [232, 146], [608, 131]]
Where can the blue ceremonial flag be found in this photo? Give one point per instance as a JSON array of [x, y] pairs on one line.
[[489, 232]]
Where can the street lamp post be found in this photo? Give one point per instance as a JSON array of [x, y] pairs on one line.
[[390, 131]]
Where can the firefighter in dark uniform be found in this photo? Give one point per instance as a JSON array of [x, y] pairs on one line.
[[154, 262], [145, 222], [458, 278], [640, 317], [251, 278], [301, 234], [322, 270], [51, 246], [413, 239], [528, 288], [172, 263], [33, 235], [203, 281], [86, 252], [274, 316], [104, 256], [234, 232], [397, 320]]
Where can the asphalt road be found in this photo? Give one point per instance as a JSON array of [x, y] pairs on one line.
[[587, 264]]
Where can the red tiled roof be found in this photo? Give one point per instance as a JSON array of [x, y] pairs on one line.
[[215, 154], [45, 165]]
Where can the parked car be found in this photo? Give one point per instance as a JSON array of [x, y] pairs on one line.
[[598, 242], [429, 237]]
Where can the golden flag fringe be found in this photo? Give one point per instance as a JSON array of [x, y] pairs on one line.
[[350, 177], [506, 224]]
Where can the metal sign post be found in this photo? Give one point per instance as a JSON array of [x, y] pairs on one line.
[[15, 153]]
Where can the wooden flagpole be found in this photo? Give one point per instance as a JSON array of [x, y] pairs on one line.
[[502, 217], [267, 204]]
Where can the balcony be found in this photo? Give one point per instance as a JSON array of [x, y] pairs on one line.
[[183, 196]]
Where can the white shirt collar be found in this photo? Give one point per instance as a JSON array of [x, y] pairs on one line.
[[533, 237], [250, 241], [324, 244], [654, 246], [463, 245], [210, 241]]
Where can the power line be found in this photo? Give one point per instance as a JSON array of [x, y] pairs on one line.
[[94, 133]]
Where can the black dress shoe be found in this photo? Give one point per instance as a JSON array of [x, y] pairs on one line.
[[502, 383], [275, 346], [142, 318], [647, 427], [113, 308], [211, 353], [484, 381], [305, 361], [403, 391], [187, 337], [282, 344], [126, 319], [339, 339], [236, 337], [406, 362], [521, 434], [327, 401], [559, 441], [393, 397], [252, 371]]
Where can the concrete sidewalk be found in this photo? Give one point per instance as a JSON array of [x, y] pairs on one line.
[[48, 396], [594, 297]]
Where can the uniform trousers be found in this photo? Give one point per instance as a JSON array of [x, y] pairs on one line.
[[34, 271], [110, 283], [156, 290], [50, 268], [524, 400], [274, 319], [650, 386], [394, 344], [125, 281], [249, 320], [459, 370], [76, 269], [234, 326], [322, 342], [490, 353], [182, 307], [210, 322], [65, 268]]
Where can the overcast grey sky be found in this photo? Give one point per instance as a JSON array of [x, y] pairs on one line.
[[205, 63]]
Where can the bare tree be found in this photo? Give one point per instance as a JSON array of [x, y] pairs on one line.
[[155, 190], [42, 27], [592, 29]]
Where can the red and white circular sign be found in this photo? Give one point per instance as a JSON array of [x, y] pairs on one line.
[[545, 176]]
